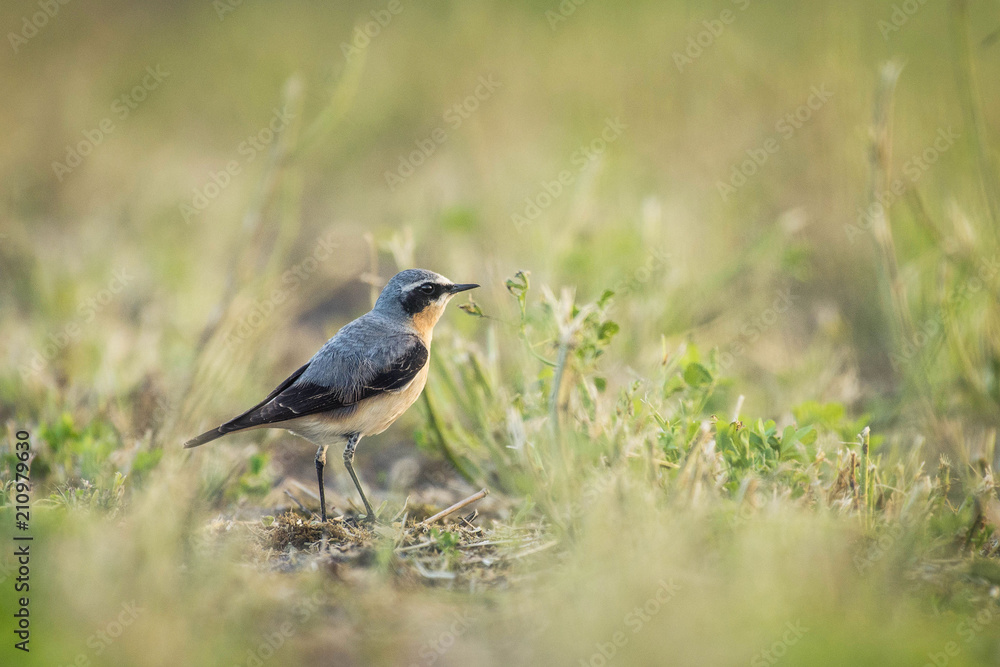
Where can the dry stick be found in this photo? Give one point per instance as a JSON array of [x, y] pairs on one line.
[[297, 502], [305, 489], [411, 547], [535, 550], [469, 518], [487, 543], [457, 506]]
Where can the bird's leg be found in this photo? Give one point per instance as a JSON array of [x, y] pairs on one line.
[[352, 443], [320, 464]]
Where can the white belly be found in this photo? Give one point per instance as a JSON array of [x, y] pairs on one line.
[[368, 417], [376, 414]]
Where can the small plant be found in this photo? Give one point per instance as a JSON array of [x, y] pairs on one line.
[[109, 499], [256, 481]]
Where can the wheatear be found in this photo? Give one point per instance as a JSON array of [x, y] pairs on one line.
[[362, 379]]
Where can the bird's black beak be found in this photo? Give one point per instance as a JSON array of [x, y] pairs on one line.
[[455, 289]]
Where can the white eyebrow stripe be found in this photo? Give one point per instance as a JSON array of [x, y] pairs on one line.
[[410, 286]]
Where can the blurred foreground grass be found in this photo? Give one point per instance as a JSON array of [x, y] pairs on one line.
[[707, 269]]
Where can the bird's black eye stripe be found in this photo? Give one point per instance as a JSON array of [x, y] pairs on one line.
[[419, 297]]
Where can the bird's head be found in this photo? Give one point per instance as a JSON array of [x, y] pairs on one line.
[[419, 297]]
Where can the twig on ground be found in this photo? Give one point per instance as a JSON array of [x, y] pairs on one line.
[[432, 574], [411, 547], [486, 543], [401, 511], [296, 501], [535, 550], [305, 489], [457, 506], [469, 518]]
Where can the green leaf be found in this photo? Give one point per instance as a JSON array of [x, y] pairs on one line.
[[607, 330], [518, 285], [697, 375], [672, 386], [146, 461], [257, 462], [472, 308], [807, 435]]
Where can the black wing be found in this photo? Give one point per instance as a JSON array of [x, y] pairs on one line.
[[334, 378], [307, 396]]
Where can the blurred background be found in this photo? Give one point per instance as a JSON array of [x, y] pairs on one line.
[[195, 195]]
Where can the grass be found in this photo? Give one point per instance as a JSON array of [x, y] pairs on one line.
[[752, 428]]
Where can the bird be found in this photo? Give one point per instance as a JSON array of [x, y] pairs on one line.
[[361, 380]]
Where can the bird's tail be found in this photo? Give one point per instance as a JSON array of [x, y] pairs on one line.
[[207, 436]]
